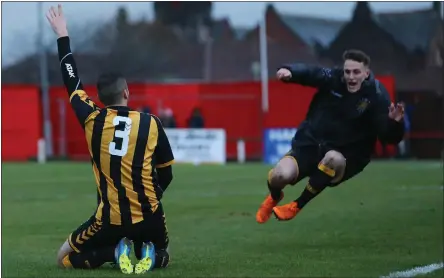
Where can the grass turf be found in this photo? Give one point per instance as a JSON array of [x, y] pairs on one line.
[[387, 219]]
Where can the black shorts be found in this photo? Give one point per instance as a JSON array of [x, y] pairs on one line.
[[93, 235], [308, 158]]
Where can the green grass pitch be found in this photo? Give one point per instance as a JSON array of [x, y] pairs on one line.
[[389, 218]]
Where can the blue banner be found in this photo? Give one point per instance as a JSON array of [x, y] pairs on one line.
[[277, 142]]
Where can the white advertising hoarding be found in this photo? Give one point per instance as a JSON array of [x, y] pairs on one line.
[[196, 145]]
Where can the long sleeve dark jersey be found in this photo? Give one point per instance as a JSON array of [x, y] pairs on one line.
[[80, 102], [343, 120]]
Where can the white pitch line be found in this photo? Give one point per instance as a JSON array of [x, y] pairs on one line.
[[420, 187], [420, 270]]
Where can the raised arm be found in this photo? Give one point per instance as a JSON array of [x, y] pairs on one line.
[[388, 118], [82, 105], [68, 66], [307, 75]]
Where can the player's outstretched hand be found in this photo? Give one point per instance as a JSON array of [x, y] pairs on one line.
[[396, 112], [283, 74], [57, 21]]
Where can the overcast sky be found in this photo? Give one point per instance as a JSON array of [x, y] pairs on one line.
[[20, 22]]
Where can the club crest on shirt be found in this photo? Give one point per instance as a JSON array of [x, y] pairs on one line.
[[362, 105]]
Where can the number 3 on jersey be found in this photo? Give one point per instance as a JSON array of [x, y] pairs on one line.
[[123, 134]]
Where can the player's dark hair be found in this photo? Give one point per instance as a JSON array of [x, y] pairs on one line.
[[357, 56], [110, 87]]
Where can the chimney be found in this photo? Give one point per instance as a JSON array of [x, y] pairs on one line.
[[438, 8], [362, 12]]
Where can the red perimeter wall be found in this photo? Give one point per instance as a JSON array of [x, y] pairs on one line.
[[236, 107], [21, 122]]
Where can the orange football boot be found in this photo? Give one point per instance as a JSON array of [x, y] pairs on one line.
[[286, 212], [266, 208]]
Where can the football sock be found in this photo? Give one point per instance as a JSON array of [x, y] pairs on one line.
[[274, 192], [317, 183], [89, 259]]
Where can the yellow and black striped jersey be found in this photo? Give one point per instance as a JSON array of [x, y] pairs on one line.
[[126, 147]]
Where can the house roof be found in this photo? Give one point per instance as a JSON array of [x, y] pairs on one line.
[[219, 27], [26, 70], [413, 29], [313, 30]]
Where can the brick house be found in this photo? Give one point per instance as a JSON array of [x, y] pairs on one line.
[[303, 36]]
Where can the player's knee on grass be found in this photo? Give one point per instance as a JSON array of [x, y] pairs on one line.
[[285, 172], [64, 251], [333, 164], [162, 258]]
